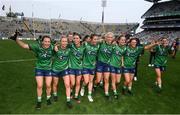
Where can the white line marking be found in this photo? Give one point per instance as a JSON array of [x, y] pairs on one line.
[[14, 61]]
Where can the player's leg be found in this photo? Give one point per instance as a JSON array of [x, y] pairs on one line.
[[85, 82], [72, 80], [136, 70], [130, 83], [39, 81], [55, 87], [118, 77], [113, 78], [150, 59], [66, 79], [127, 80], [48, 81], [106, 83], [99, 73], [106, 74], [158, 78], [113, 81], [153, 58], [78, 85], [98, 78], [90, 87]]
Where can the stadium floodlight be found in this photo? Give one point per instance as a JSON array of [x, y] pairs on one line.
[[103, 6], [104, 3]]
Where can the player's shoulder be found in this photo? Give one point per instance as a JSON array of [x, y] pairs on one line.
[[34, 45]]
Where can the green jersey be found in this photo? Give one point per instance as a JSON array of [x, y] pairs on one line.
[[131, 55], [161, 55], [44, 56], [117, 54], [61, 60], [76, 57], [104, 53], [90, 54]]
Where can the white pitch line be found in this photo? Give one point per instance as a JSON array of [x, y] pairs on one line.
[[14, 61]]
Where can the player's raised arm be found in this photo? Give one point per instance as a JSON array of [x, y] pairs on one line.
[[147, 47], [19, 42], [22, 44]]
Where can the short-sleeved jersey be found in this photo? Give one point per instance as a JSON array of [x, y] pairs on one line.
[[61, 60], [161, 55], [116, 57], [44, 56], [131, 55], [90, 54], [76, 56], [104, 53]]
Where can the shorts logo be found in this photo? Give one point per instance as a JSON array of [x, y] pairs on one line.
[[66, 72]]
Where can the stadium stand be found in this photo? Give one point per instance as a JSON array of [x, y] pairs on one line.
[[57, 27], [162, 19]]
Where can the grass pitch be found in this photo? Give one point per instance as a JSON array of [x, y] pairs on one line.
[[18, 89]]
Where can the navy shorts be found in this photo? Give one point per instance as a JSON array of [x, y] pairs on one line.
[[102, 67], [162, 68], [116, 70], [60, 73], [44, 73], [129, 70], [88, 71], [75, 72]]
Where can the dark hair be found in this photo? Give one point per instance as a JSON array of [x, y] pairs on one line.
[[85, 37], [163, 38], [76, 34], [70, 33], [132, 40], [120, 37], [138, 41], [128, 36], [46, 37], [92, 36]]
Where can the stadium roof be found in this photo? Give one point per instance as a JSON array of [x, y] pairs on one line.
[[162, 9], [152, 0]]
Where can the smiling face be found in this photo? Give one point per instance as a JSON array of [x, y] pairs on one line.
[[88, 39], [46, 42], [94, 40], [109, 37], [76, 40], [133, 43], [122, 41], [64, 42], [70, 37], [165, 42]]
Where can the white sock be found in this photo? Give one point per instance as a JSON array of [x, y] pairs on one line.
[[160, 86], [89, 93], [55, 93], [68, 99], [106, 93], [48, 97], [39, 99], [129, 87], [115, 91], [76, 95]]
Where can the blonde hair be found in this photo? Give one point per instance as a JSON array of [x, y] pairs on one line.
[[109, 33]]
